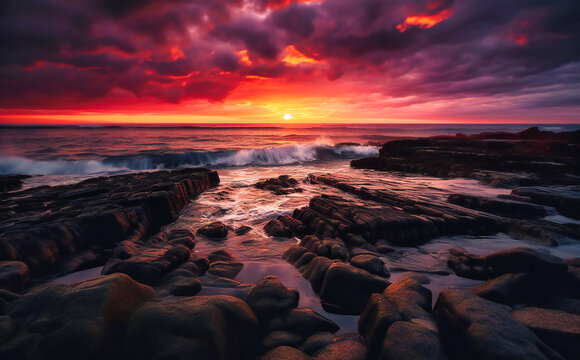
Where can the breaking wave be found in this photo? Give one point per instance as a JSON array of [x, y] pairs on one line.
[[285, 155]]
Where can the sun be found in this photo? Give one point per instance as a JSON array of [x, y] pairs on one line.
[[287, 117]]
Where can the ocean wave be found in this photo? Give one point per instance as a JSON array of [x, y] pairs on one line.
[[284, 155]]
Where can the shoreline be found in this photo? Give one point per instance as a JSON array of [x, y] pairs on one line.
[[361, 249]]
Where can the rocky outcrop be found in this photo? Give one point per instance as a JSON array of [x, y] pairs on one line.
[[566, 199], [214, 230], [67, 228], [11, 182], [507, 208], [547, 156], [282, 185]]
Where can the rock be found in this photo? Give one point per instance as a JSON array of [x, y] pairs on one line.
[[282, 185], [517, 289], [518, 260], [84, 320], [558, 329], [414, 339], [316, 342], [201, 327], [342, 350], [330, 248], [275, 228], [270, 298], [214, 230], [547, 157], [566, 199], [346, 289], [242, 230], [285, 353], [295, 227], [11, 182], [304, 322], [150, 264], [507, 208], [405, 305], [14, 275], [474, 328], [370, 263], [222, 263], [281, 338], [70, 227], [183, 286]]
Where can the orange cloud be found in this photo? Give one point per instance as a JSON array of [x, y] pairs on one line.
[[295, 57], [424, 21]]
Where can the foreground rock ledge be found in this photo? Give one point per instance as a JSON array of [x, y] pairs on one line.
[[68, 228]]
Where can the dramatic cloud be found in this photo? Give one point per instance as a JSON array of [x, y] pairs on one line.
[[502, 56]]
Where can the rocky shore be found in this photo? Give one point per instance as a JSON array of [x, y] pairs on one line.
[[158, 297]]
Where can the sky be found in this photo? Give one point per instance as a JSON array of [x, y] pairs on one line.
[[289, 61]]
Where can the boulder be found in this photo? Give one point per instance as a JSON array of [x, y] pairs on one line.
[[348, 349], [285, 353], [270, 298], [281, 338], [214, 230], [346, 289], [201, 327], [79, 321], [416, 339], [370, 263], [475, 328], [304, 322], [275, 228], [222, 263], [14, 275], [242, 230], [282, 185]]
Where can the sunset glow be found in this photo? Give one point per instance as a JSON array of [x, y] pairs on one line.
[[247, 61]]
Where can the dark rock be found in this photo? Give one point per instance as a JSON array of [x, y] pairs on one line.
[[285, 353], [214, 230], [518, 260], [507, 208], [547, 157], [151, 263], [294, 226], [84, 320], [222, 263], [342, 350], [406, 306], [330, 248], [370, 263], [474, 328], [71, 227], [566, 199], [270, 298], [304, 322], [183, 286], [558, 329], [346, 289], [316, 342], [242, 230], [11, 182], [201, 327], [412, 340], [275, 228], [14, 275], [282, 185], [281, 338]]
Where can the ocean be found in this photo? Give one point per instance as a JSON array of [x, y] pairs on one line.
[[90, 150]]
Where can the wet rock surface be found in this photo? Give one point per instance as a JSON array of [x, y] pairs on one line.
[[54, 224], [11, 182], [282, 185]]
